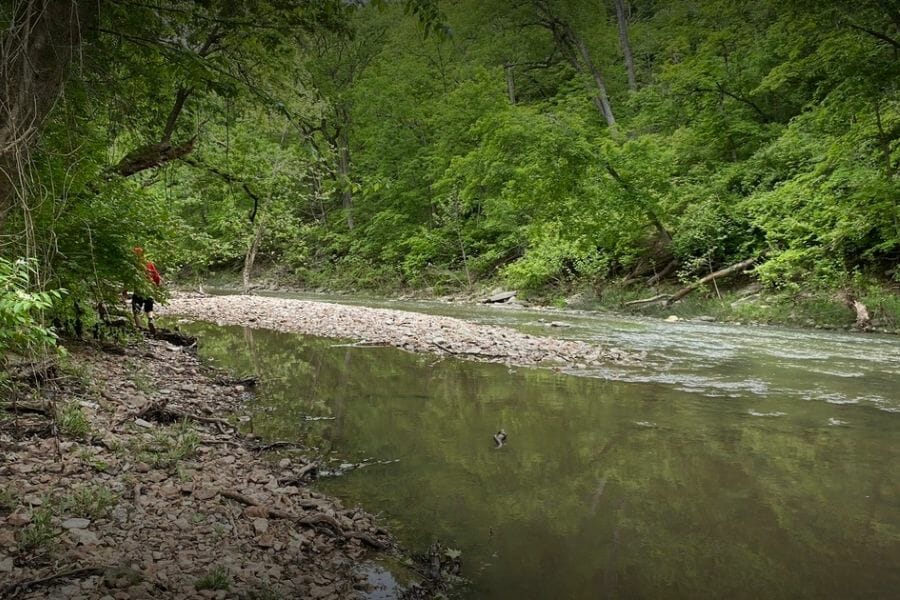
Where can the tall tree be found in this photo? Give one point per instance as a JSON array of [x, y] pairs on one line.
[[625, 43]]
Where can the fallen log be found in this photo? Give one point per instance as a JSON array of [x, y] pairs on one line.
[[711, 277], [657, 298]]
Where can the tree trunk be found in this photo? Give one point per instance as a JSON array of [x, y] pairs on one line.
[[624, 42], [711, 277], [344, 177], [510, 83], [250, 257], [601, 100], [36, 49]]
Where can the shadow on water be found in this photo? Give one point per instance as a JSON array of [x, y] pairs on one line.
[[605, 488]]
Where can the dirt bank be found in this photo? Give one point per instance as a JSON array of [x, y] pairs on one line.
[[147, 491], [407, 330]]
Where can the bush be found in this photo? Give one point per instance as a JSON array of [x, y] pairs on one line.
[[22, 330]]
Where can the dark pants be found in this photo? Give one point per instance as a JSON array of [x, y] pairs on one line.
[[139, 302]]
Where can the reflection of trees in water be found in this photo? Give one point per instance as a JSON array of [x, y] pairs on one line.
[[709, 502]]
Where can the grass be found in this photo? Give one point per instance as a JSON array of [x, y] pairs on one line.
[[71, 420], [169, 446], [91, 502], [216, 579], [39, 533], [90, 460], [9, 499]]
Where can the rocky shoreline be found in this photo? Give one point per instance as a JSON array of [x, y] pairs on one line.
[[414, 332], [128, 480]]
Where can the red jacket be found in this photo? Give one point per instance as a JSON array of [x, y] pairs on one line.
[[153, 274]]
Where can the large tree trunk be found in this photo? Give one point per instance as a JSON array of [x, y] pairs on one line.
[[36, 50], [250, 257], [576, 52], [622, 20], [602, 97], [510, 83]]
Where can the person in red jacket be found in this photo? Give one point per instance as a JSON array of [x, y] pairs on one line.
[[139, 302]]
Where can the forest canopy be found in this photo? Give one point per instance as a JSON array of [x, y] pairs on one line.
[[426, 142]]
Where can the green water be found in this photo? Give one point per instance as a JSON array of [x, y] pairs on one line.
[[734, 464]]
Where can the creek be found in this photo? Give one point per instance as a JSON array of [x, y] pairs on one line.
[[732, 462]]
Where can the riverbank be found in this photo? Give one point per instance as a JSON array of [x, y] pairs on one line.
[[745, 303], [123, 475], [415, 332]]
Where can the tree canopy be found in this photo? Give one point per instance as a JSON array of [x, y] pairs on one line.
[[441, 142]]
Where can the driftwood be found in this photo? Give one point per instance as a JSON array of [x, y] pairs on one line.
[[711, 277]]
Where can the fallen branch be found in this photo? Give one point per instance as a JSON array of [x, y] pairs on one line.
[[27, 407], [711, 277], [312, 520], [662, 274], [15, 589], [648, 300]]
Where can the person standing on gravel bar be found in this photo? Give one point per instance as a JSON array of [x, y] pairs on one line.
[[145, 303]]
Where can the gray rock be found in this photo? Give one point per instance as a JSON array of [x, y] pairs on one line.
[[502, 296], [76, 523]]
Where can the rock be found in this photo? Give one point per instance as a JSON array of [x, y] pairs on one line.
[[6, 564], [559, 324], [256, 512], [76, 523], [85, 537], [673, 319], [142, 467], [265, 541], [500, 296], [284, 463], [143, 423], [705, 318], [260, 525], [18, 519], [205, 493]]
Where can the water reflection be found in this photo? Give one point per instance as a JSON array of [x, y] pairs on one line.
[[604, 488]]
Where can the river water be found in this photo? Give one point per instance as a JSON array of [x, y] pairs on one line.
[[734, 462]]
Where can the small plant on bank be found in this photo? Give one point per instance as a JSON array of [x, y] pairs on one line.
[[101, 466], [39, 533], [72, 421], [8, 500], [216, 579], [169, 446], [90, 502]]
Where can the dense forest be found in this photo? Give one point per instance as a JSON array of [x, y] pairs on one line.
[[436, 144]]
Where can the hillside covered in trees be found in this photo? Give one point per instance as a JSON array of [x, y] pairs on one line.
[[419, 144]]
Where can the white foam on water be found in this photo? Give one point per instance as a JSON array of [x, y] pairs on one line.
[[754, 413], [836, 422]]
